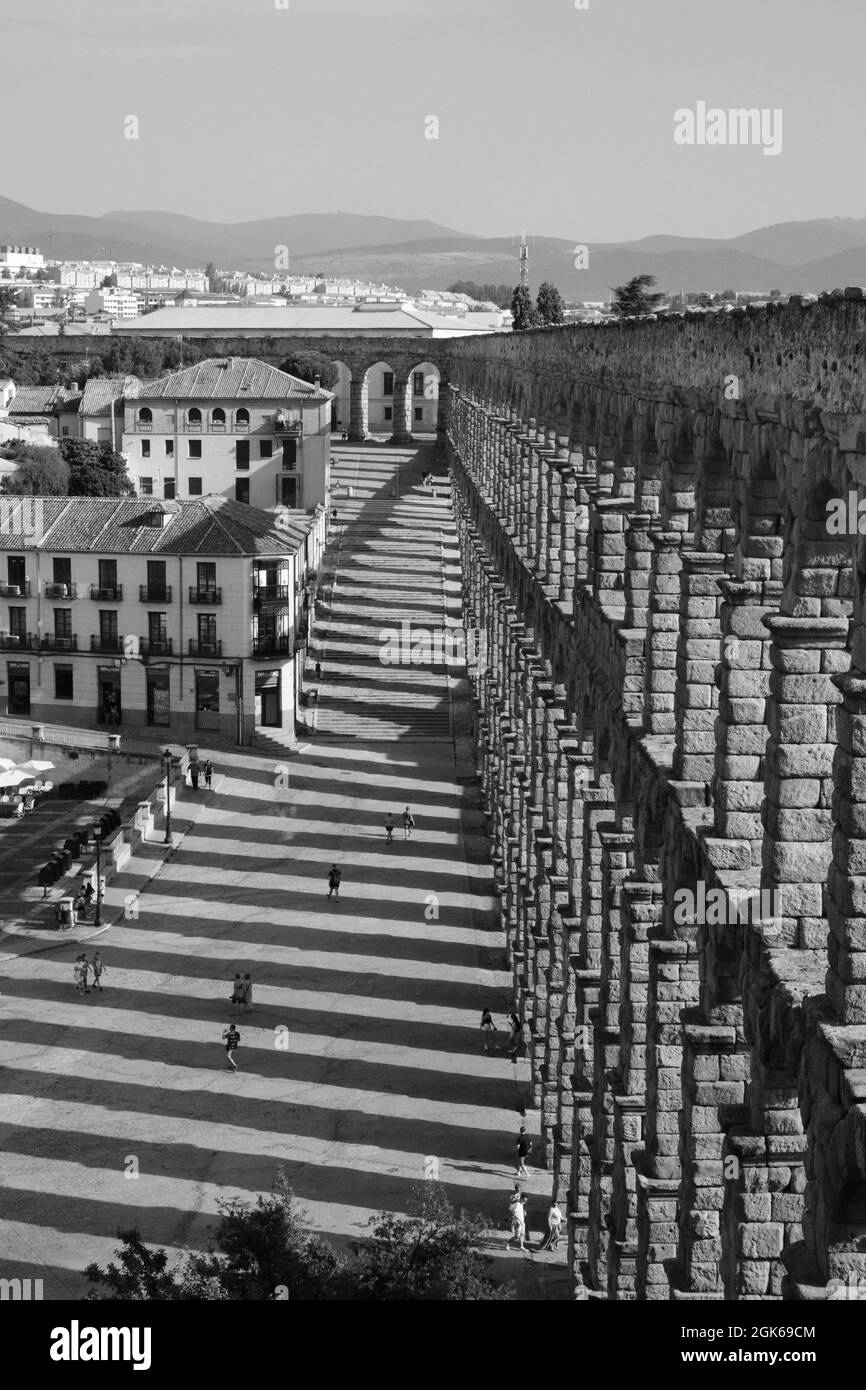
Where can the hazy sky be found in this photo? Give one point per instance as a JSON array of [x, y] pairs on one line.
[[551, 119]]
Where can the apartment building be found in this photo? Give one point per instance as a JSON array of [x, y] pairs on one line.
[[117, 303], [234, 426], [15, 258], [190, 616]]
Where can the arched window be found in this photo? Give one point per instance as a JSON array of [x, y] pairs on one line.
[[194, 415], [242, 419], [145, 416], [218, 416]]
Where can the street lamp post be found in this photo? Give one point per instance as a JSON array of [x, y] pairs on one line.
[[166, 758], [97, 835]]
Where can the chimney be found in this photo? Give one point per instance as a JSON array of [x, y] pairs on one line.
[[317, 381]]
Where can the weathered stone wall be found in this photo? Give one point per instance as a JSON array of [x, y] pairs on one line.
[[672, 739]]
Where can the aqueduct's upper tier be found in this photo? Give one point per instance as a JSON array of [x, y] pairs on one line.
[[660, 538]]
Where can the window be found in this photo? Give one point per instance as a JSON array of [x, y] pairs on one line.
[[17, 622], [145, 487], [64, 429], [145, 448], [156, 588], [193, 416], [107, 628], [108, 574], [387, 383], [194, 448], [266, 448], [242, 419], [63, 570], [389, 414], [206, 576], [242, 490], [218, 417], [63, 683], [417, 383], [168, 489], [63, 623], [287, 491], [169, 448], [290, 453], [242, 453], [157, 631], [206, 631], [419, 414], [195, 487], [145, 416], [15, 573]]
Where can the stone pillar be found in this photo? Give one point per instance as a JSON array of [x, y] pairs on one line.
[[697, 655], [798, 780], [846, 967], [662, 634], [358, 424], [402, 433]]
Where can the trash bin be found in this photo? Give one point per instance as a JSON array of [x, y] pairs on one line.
[[66, 913]]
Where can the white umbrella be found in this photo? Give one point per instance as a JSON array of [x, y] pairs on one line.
[[6, 764], [35, 766], [15, 778]]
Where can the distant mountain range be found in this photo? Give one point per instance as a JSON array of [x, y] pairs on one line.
[[819, 254]]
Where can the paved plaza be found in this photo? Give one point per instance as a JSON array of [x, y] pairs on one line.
[[361, 1067]]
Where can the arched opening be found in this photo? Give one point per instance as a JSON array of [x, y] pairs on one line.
[[380, 379], [242, 419], [423, 403], [193, 418], [145, 417], [218, 418]]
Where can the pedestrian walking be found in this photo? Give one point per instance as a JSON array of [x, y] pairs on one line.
[[334, 878], [237, 995], [488, 1028], [193, 775], [79, 975], [318, 670], [208, 773], [408, 824], [515, 1029], [98, 969], [524, 1148], [232, 1038], [389, 827], [89, 893], [554, 1227], [517, 1213], [247, 1000]]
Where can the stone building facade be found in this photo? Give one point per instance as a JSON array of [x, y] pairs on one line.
[[673, 751]]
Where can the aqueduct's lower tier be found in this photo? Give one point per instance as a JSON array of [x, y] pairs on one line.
[[658, 746]]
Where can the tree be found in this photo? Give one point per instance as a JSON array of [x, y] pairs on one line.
[[636, 297], [213, 276], [308, 365], [265, 1253], [525, 316], [429, 1255], [549, 303], [95, 470], [108, 281], [41, 472]]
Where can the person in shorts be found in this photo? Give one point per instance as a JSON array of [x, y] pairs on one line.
[[232, 1038]]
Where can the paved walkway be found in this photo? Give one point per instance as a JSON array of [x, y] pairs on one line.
[[361, 1065]]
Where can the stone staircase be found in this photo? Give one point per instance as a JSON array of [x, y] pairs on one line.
[[389, 590]]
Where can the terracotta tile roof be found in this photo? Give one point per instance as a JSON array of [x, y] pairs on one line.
[[37, 400], [117, 526], [101, 392], [232, 378]]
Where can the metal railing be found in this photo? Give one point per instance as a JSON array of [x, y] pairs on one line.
[[98, 643], [205, 595], [272, 646], [108, 593], [205, 648], [15, 641], [54, 642], [154, 593], [162, 648]]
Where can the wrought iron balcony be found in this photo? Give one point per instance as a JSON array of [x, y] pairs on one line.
[[15, 590], [271, 593], [205, 648], [52, 642], [272, 646], [109, 593], [154, 593], [15, 641], [164, 647], [100, 643], [205, 595], [60, 591]]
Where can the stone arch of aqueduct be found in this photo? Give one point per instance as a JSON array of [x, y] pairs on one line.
[[675, 698]]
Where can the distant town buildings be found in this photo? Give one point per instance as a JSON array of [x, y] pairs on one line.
[[15, 258]]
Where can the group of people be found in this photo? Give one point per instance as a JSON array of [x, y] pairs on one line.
[[82, 969], [408, 826], [512, 1042], [242, 994], [197, 770], [519, 1218]]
